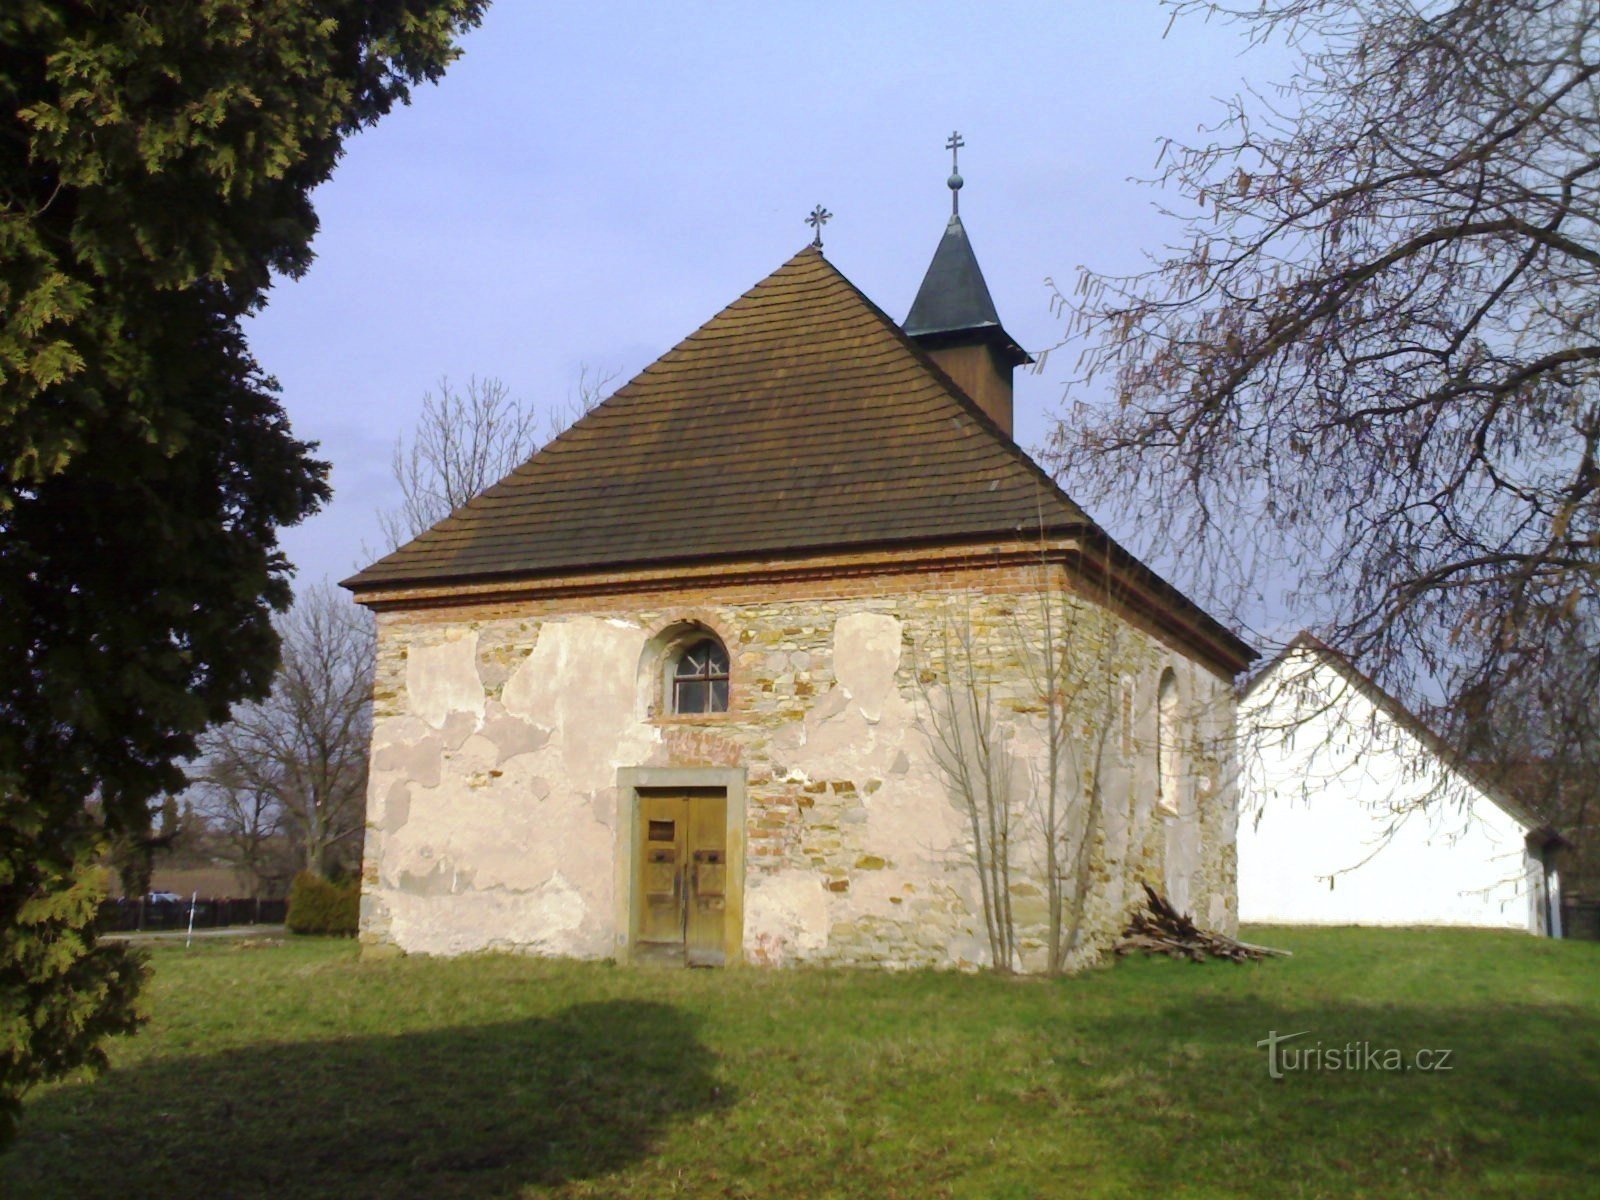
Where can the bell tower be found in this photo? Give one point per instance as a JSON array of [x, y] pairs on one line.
[[954, 320]]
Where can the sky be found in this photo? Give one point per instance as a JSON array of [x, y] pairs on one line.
[[591, 182]]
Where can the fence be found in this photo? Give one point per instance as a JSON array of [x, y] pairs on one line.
[[128, 916]]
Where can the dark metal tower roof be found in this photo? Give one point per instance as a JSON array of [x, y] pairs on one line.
[[953, 296], [953, 305]]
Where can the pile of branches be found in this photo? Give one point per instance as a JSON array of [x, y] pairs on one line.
[[1162, 929]]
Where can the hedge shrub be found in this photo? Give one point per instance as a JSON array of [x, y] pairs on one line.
[[317, 906]]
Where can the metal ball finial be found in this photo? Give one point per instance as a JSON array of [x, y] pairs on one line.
[[955, 181]]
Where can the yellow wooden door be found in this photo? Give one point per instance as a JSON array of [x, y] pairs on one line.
[[682, 878], [663, 888], [708, 880]]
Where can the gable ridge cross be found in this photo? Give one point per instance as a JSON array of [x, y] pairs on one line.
[[818, 218]]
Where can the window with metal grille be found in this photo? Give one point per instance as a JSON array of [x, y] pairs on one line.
[[700, 678]]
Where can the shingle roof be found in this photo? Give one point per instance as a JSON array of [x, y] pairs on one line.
[[799, 418]]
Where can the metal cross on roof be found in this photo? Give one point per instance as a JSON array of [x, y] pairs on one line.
[[953, 144], [818, 218]]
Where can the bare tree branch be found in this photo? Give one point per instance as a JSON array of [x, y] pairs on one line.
[[467, 441], [1369, 376], [298, 759]]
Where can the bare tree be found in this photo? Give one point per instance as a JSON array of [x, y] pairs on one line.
[[300, 756], [1538, 738], [581, 400], [969, 744], [1371, 367], [1075, 682], [245, 820], [981, 716], [466, 441]]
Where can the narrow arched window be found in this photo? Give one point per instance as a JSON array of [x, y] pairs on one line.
[[1167, 762], [700, 678]]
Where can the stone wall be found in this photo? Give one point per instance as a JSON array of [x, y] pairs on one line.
[[500, 730]]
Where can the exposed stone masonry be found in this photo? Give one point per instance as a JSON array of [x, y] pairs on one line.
[[500, 729]]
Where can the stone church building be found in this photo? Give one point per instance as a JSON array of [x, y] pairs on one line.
[[711, 677]]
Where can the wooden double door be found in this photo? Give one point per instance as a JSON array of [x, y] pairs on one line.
[[682, 876]]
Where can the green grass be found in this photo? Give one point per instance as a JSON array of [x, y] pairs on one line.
[[299, 1071]]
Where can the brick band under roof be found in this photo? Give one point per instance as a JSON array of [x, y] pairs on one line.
[[799, 418]]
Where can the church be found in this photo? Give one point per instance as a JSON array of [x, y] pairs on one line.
[[787, 653]]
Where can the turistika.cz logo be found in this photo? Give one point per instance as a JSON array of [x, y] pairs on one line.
[[1348, 1056]]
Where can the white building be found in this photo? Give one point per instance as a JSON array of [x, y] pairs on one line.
[[1352, 814]]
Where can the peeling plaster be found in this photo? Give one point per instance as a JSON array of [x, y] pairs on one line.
[[458, 727], [396, 807], [550, 919], [418, 762], [866, 655], [442, 680], [579, 681], [785, 917], [512, 736]]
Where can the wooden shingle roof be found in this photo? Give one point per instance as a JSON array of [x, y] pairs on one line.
[[800, 418]]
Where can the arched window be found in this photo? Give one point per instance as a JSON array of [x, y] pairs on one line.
[[1167, 759], [700, 677]]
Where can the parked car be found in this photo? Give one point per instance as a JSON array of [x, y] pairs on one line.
[[164, 898]]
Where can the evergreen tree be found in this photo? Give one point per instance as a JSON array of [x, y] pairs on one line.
[[156, 166]]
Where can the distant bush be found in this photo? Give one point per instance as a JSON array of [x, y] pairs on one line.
[[317, 906]]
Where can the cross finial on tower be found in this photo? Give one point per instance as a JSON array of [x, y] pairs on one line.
[[818, 218], [953, 144]]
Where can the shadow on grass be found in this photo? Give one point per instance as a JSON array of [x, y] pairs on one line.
[[1507, 1105], [470, 1112]]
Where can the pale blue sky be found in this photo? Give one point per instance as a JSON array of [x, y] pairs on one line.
[[591, 182]]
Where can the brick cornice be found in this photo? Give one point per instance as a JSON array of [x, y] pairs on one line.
[[708, 575]]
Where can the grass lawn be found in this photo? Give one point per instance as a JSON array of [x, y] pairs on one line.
[[298, 1070]]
